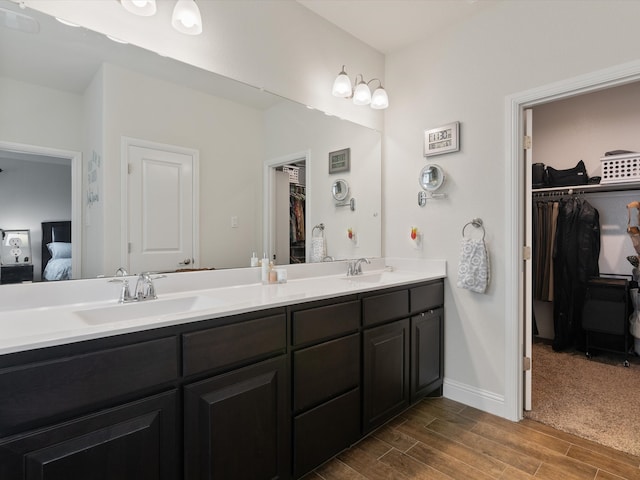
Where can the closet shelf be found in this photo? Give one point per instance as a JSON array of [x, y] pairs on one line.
[[610, 187]]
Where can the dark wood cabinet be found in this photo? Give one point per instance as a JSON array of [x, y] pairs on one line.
[[236, 424], [325, 364], [426, 352], [386, 372], [261, 395], [135, 441]]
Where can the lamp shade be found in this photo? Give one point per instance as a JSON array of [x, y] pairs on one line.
[[379, 99], [342, 85], [362, 94], [144, 8], [186, 17]]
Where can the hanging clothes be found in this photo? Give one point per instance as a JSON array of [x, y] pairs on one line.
[[576, 254], [545, 217]]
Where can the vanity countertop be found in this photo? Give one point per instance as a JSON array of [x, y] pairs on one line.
[[53, 324]]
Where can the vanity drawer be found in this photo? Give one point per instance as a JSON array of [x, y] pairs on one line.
[[320, 323], [385, 307], [70, 384], [235, 344], [427, 297], [325, 370]]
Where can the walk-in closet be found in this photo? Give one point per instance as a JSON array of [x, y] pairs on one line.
[[586, 376]]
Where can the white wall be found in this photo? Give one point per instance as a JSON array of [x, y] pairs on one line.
[[511, 49], [37, 192], [41, 116], [230, 139], [278, 45], [584, 128], [286, 135]]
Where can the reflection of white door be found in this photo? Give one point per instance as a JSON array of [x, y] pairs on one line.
[[161, 207]]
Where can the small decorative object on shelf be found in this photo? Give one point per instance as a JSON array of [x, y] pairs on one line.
[[350, 234], [414, 233]]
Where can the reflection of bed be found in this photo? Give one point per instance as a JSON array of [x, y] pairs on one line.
[[56, 250]]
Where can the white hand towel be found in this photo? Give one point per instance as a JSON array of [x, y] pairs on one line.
[[473, 269]]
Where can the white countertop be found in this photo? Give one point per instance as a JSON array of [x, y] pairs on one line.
[[43, 315]]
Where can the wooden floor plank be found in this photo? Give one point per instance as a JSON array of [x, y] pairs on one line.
[[442, 439], [605, 463], [508, 456], [412, 468], [489, 465]]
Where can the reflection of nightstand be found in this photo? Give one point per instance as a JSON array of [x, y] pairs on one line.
[[16, 274]]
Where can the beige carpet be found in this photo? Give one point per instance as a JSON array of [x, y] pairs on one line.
[[591, 399]]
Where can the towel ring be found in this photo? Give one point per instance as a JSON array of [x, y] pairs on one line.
[[477, 223], [320, 227]]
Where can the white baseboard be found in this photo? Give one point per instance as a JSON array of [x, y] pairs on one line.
[[475, 397]]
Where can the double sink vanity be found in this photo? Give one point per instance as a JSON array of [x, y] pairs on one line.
[[220, 377]]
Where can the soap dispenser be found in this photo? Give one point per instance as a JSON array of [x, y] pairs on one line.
[[254, 260], [265, 268]]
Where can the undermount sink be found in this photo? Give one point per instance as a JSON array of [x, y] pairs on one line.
[[365, 278], [149, 308]]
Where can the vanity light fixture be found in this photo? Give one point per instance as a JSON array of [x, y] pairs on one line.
[[144, 8], [186, 17], [361, 94]]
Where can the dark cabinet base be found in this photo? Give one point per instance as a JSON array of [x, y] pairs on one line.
[[136, 441]]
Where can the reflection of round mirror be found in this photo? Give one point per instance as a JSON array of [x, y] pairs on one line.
[[340, 190], [431, 178]]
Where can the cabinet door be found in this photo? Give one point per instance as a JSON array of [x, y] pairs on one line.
[[236, 424], [136, 441], [386, 372], [426, 353]]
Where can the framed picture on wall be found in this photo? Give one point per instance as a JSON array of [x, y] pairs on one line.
[[340, 160], [442, 139], [16, 247]]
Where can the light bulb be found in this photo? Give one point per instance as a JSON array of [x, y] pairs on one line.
[[144, 8], [186, 17], [342, 85], [362, 94], [379, 99]]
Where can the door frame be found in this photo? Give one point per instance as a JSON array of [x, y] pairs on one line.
[[515, 177], [127, 142], [269, 194], [76, 193]]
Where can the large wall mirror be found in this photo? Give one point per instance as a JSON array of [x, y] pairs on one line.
[[68, 90]]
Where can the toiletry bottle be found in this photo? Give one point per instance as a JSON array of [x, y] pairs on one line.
[[273, 276], [254, 260], [265, 268]]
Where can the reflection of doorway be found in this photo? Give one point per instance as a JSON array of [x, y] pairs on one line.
[[286, 208], [518, 286], [50, 157], [290, 213], [161, 207]]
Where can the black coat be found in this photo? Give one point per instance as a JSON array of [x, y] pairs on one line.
[[576, 254]]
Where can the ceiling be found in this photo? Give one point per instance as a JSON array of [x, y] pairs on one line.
[[390, 25]]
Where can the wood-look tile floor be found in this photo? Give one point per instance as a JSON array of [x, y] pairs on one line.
[[442, 439]]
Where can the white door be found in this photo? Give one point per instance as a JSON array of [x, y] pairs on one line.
[[162, 208], [528, 267]]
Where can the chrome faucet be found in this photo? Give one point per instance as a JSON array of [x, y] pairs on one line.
[[145, 289], [355, 266]]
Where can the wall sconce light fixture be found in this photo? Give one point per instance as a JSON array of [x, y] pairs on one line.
[[144, 8], [186, 16], [361, 94]]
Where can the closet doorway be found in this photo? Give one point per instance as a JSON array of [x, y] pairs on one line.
[[286, 205], [518, 286], [598, 87]]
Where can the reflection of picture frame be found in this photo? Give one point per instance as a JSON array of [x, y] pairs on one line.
[[442, 139], [340, 160], [16, 247]]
